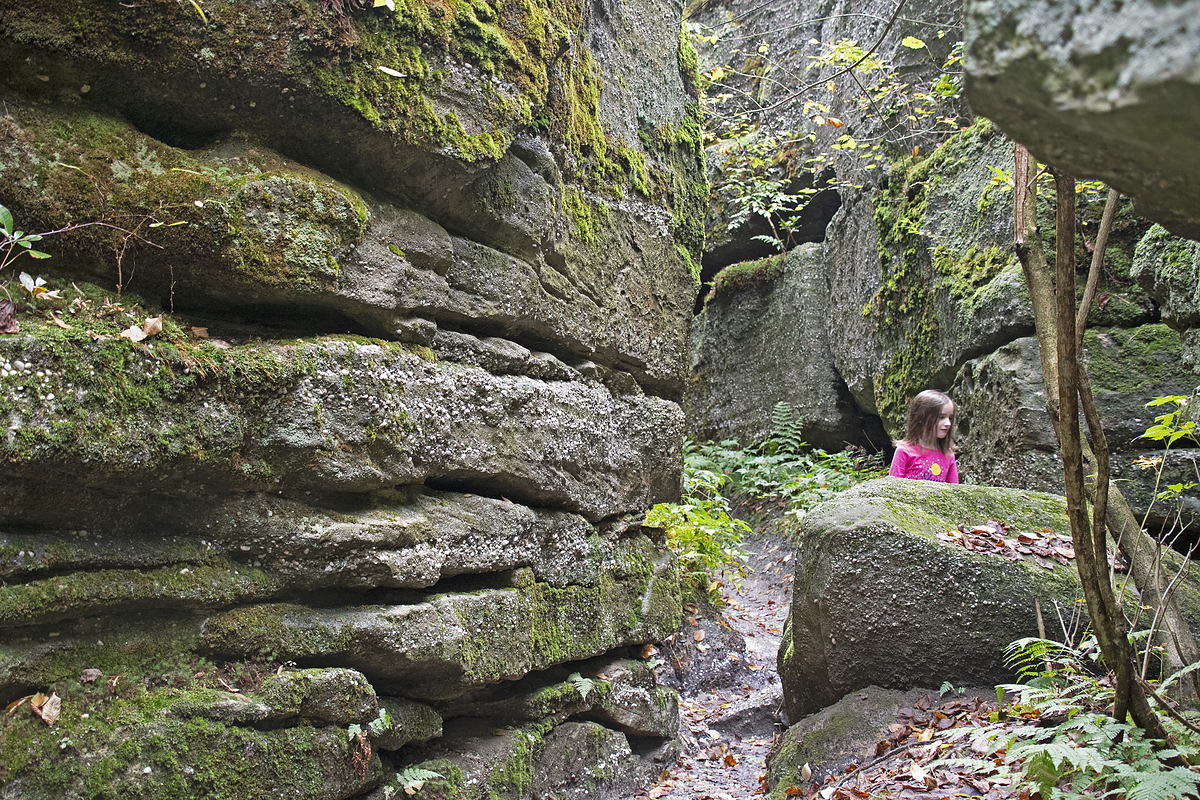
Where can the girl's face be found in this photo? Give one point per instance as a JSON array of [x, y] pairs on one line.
[[946, 420]]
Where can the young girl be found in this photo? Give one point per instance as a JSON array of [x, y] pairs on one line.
[[927, 450]]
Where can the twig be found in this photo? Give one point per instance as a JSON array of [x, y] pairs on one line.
[[875, 763], [870, 52], [1172, 713]]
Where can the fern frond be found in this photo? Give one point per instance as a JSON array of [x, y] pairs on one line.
[[786, 430], [582, 685], [1177, 782]]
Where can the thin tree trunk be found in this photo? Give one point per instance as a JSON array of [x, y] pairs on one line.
[[1055, 320], [1138, 548], [1108, 621]]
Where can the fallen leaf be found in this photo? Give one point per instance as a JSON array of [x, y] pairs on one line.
[[59, 322], [198, 332], [806, 772], [648, 650], [50, 709], [730, 760], [89, 675], [15, 704], [133, 333], [152, 326], [8, 317], [698, 636]]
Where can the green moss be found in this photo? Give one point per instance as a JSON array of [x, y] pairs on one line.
[[121, 737], [579, 210], [268, 630], [1132, 361], [745, 274], [904, 306], [80, 593], [513, 776]]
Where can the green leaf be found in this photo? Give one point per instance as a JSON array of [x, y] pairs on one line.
[[6, 219], [582, 685], [912, 43], [38, 254]]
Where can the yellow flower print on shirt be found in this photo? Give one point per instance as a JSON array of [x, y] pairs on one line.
[[935, 468]]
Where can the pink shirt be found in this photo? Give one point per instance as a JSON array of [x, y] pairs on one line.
[[923, 464]]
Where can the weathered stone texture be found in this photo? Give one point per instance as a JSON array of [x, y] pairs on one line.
[[1108, 91]]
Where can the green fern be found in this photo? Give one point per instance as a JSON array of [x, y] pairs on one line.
[[582, 685], [786, 431], [412, 780]]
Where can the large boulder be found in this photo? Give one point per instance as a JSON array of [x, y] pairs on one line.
[[879, 600], [763, 340], [1108, 91]]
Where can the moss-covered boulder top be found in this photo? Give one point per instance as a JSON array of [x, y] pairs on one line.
[[878, 599]]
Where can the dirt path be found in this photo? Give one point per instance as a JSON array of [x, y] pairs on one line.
[[724, 663]]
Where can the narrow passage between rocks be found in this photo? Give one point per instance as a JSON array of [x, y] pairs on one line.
[[723, 663]]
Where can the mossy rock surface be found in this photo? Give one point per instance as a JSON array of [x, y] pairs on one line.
[[450, 643], [175, 734], [877, 599], [835, 737], [579, 760], [763, 339], [348, 415]]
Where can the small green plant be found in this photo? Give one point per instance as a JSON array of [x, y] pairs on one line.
[[412, 779], [582, 685], [376, 727], [702, 533], [17, 243], [1070, 747], [36, 288]]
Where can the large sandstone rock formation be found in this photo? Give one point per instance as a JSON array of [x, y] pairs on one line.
[[916, 283], [424, 279]]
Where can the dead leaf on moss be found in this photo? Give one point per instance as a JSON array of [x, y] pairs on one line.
[[133, 333], [50, 709], [8, 317]]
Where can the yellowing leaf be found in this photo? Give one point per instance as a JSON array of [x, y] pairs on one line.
[[837, 123], [50, 709], [913, 43]]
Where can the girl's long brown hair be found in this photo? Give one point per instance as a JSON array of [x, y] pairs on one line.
[[923, 414]]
